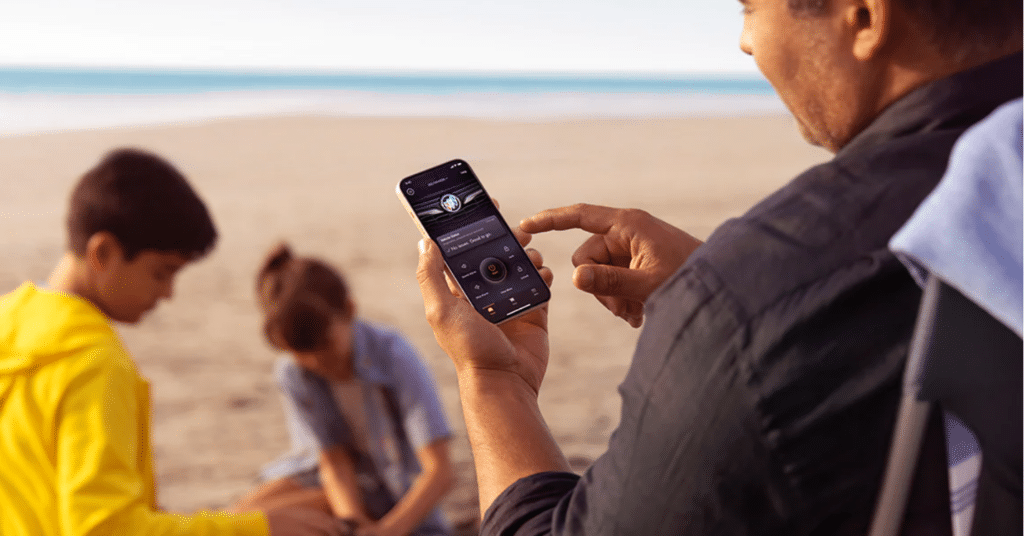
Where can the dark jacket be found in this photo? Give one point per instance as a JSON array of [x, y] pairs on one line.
[[763, 391]]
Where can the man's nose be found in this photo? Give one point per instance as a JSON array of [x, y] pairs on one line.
[[745, 40]]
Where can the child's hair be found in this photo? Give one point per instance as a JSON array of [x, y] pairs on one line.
[[144, 202], [301, 296]]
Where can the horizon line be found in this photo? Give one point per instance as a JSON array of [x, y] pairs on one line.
[[384, 72]]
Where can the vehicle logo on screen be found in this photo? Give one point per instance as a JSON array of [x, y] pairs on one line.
[[450, 203]]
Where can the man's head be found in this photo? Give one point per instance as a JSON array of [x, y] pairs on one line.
[[133, 223], [837, 64]]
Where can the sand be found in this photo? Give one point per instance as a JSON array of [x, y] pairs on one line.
[[326, 185]]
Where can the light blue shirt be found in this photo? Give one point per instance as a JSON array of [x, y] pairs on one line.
[[403, 414]]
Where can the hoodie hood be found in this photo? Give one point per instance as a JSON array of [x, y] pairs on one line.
[[39, 326]]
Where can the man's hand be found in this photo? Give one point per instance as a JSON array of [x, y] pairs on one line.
[[629, 254], [303, 522], [500, 369], [518, 347]]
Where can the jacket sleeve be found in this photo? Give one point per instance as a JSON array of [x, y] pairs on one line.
[[686, 458], [103, 483]]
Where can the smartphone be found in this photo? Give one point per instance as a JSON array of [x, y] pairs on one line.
[[451, 207]]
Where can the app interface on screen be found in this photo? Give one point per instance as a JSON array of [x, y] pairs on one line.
[[482, 253]]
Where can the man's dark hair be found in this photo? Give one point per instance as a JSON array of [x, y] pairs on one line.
[[960, 28], [144, 202]]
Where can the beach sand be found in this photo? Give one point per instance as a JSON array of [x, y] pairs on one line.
[[326, 185]]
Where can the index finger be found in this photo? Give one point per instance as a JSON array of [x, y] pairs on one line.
[[591, 218]]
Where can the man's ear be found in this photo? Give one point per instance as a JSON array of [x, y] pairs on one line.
[[102, 250], [871, 23]]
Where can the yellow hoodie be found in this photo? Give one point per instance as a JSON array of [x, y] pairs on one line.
[[75, 457]]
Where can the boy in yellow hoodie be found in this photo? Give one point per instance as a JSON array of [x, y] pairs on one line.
[[75, 455]]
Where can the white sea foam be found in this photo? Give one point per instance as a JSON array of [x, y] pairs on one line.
[[32, 113]]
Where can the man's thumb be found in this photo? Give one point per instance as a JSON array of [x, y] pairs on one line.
[[430, 275], [604, 280]]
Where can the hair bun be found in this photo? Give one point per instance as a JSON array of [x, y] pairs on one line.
[[278, 257], [270, 272], [299, 297]]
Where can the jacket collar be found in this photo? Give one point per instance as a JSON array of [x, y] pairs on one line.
[[956, 101]]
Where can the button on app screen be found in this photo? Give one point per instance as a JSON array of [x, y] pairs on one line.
[[481, 252]]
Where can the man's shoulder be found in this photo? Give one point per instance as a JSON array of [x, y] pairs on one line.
[[829, 218]]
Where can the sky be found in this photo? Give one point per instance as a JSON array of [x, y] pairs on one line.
[[633, 37]]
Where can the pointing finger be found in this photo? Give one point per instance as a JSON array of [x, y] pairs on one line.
[[590, 218]]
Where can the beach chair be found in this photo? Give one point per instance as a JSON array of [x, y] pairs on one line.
[[969, 363], [964, 245]]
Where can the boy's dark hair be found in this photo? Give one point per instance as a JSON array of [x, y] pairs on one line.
[[303, 295], [144, 202], [961, 28]]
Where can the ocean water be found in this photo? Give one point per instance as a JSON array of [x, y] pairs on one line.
[[141, 81], [38, 100]]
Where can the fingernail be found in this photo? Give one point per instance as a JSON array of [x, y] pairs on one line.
[[584, 278], [422, 246]]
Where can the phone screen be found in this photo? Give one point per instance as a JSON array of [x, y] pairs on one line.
[[483, 255]]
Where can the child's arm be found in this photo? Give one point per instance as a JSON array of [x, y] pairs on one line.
[[103, 472], [437, 477], [426, 429], [338, 475]]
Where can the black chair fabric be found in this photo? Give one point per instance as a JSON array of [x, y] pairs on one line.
[[973, 369]]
